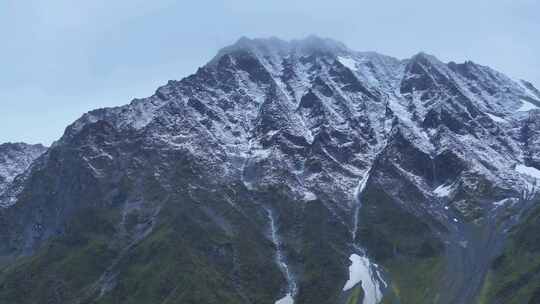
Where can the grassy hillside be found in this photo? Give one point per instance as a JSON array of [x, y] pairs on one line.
[[514, 277]]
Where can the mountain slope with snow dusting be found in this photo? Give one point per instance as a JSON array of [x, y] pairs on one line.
[[262, 176], [15, 158]]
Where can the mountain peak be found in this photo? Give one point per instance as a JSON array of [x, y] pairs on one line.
[[426, 59], [315, 42], [21, 146], [273, 45]]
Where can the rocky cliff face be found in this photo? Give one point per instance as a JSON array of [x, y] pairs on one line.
[[257, 178], [15, 159]]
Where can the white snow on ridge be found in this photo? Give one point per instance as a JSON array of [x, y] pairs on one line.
[[361, 271], [526, 106], [348, 62], [420, 137], [526, 89], [530, 171]]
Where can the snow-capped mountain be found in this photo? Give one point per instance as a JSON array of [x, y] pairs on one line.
[[305, 151], [15, 158]]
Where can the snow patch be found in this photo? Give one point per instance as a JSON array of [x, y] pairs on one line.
[[288, 299], [443, 190], [272, 133], [361, 271], [348, 62], [497, 118], [530, 171], [309, 196], [526, 106], [501, 202], [526, 88]]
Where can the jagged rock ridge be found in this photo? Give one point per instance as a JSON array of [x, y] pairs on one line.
[[15, 158]]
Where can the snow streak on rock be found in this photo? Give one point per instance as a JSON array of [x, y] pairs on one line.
[[282, 262], [358, 193], [362, 270], [443, 190]]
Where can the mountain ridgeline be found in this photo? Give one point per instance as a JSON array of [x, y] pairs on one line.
[[286, 172]]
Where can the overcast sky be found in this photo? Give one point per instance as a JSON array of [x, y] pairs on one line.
[[61, 58]]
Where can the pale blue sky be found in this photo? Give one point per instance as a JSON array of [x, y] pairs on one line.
[[61, 58]]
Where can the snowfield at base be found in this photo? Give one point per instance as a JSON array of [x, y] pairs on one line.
[[526, 106], [288, 299], [530, 171], [361, 271]]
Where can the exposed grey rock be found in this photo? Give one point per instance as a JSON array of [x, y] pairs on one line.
[[15, 158]]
